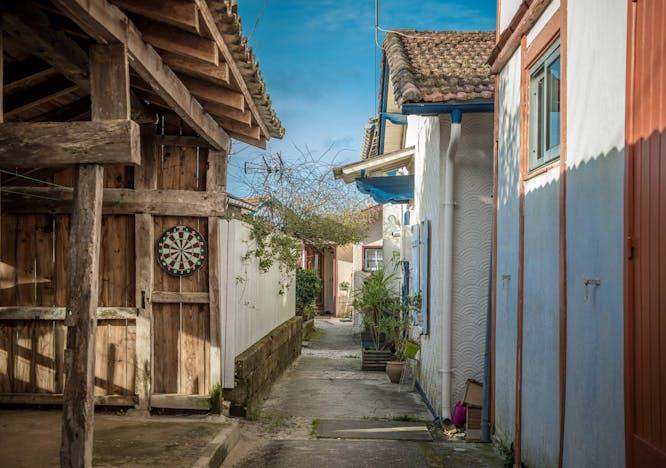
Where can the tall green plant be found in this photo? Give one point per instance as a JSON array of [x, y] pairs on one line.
[[377, 299], [308, 286]]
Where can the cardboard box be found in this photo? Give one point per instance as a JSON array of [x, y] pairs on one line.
[[473, 395]]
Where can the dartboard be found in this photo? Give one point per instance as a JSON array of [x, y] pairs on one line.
[[181, 250]]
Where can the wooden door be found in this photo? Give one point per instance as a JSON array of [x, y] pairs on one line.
[[645, 343]]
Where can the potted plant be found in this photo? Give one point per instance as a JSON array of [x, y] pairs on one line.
[[395, 325], [376, 299]]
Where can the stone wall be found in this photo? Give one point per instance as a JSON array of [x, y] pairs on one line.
[[308, 329], [262, 363]]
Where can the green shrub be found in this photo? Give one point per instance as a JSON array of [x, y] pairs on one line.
[[308, 286]]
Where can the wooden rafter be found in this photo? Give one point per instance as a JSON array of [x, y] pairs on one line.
[[180, 13], [216, 74], [106, 23], [30, 27], [177, 41], [209, 22], [209, 92]]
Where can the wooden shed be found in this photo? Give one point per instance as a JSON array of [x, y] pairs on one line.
[[117, 118]]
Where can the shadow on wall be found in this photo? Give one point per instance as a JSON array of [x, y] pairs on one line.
[[595, 320]]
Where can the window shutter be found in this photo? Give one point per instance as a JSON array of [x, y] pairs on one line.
[[414, 282], [424, 268]]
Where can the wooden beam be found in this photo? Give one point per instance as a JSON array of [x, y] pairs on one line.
[[216, 94], [179, 42], [30, 80], [261, 143], [180, 13], [110, 99], [109, 83], [53, 144], [2, 67], [253, 133], [216, 74], [59, 313], [106, 22], [145, 175], [56, 399], [243, 118], [82, 286], [167, 297], [119, 201], [144, 238], [145, 178], [181, 140], [239, 117], [29, 101], [216, 172], [209, 22], [29, 26]]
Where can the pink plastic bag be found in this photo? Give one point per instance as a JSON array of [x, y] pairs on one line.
[[459, 415]]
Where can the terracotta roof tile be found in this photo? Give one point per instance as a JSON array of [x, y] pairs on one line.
[[369, 147], [431, 66], [228, 22]]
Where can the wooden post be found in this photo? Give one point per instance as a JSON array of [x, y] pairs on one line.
[[145, 177], [82, 292], [109, 93], [215, 182]]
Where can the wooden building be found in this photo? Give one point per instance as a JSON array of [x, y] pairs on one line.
[[117, 119]]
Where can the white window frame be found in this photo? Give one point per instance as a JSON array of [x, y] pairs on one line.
[[537, 73], [380, 263]]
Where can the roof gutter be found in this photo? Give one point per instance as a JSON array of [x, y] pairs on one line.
[[436, 108]]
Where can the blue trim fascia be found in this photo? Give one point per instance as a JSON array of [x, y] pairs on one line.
[[397, 119], [435, 108]]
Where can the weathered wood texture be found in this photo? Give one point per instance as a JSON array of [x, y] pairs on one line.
[[33, 274], [109, 83], [122, 201], [31, 357], [110, 99], [82, 292], [105, 22], [52, 144], [181, 330]]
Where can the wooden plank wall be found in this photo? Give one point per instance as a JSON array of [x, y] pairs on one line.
[[32, 273], [181, 331]]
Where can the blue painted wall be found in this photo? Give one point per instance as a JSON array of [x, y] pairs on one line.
[[507, 252], [541, 315]]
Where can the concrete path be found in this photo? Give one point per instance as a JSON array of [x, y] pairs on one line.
[[326, 386]]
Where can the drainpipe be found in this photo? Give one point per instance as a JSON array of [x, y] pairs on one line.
[[447, 171]]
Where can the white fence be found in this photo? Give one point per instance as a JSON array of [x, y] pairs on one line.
[[253, 303]]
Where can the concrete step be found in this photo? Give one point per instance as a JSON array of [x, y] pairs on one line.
[[371, 429]]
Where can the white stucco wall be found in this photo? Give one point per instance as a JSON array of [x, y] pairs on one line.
[[472, 237]]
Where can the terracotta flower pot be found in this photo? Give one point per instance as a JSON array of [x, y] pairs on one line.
[[394, 370]]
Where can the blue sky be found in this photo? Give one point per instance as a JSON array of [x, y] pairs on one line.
[[320, 65]]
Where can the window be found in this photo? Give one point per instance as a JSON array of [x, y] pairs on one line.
[[373, 258], [544, 109]]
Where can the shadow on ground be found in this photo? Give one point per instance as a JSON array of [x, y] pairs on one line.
[[326, 384]]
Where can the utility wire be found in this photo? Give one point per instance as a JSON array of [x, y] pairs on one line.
[[4, 190], [33, 179]]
